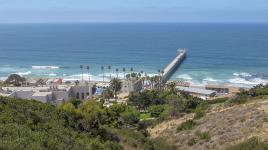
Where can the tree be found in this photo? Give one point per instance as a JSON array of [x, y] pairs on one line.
[[171, 87], [107, 93], [68, 107], [117, 72], [88, 73], [139, 74], [116, 86], [15, 79], [76, 82], [113, 114], [81, 67], [124, 70], [127, 76], [161, 78], [92, 112], [156, 110], [130, 116], [109, 68]]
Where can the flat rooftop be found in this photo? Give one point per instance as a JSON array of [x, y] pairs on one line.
[[25, 88], [195, 90]]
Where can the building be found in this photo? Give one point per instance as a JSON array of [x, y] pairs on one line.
[[219, 88], [132, 85], [49, 94], [199, 92], [81, 92], [223, 90]]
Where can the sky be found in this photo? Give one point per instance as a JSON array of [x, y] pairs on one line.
[[42, 11]]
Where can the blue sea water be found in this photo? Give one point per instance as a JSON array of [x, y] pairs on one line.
[[225, 53]]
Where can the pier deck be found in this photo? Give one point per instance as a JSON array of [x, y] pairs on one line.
[[173, 65]]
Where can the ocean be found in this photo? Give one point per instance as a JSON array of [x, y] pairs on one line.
[[216, 53]]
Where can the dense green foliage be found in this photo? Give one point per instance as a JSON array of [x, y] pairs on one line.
[[115, 85], [30, 125], [163, 103], [251, 144], [156, 110], [26, 124], [245, 95], [34, 125]]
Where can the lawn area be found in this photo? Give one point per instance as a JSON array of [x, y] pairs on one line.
[[145, 116]]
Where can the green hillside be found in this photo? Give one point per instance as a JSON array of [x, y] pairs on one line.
[[30, 125]]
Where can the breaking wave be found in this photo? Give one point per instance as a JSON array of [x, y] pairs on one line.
[[242, 74], [209, 79], [86, 77], [24, 73], [45, 67], [252, 81], [184, 77], [51, 74]]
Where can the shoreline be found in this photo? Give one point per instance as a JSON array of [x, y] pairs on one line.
[[107, 80]]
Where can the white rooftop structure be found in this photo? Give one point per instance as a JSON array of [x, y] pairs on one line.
[[195, 90], [49, 94]]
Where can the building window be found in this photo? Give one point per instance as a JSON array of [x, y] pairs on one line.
[[87, 93], [77, 95], [83, 95]]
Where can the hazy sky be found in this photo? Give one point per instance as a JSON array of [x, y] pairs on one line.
[[133, 11]]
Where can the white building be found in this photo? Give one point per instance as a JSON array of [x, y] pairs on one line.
[[49, 94]]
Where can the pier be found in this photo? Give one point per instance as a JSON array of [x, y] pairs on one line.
[[173, 65]]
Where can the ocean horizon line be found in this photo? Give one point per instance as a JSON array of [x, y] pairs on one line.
[[141, 22]]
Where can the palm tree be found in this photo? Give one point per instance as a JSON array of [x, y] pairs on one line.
[[152, 80], [139, 75], [172, 87], [117, 72], [124, 70], [161, 77], [109, 67], [102, 68], [88, 73], [162, 72], [115, 85], [159, 74], [81, 67], [142, 72]]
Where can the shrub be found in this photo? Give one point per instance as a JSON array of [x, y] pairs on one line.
[[203, 135], [240, 99], [218, 100], [112, 146], [130, 116], [188, 125], [199, 113], [192, 142], [251, 144], [156, 110], [145, 116]]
